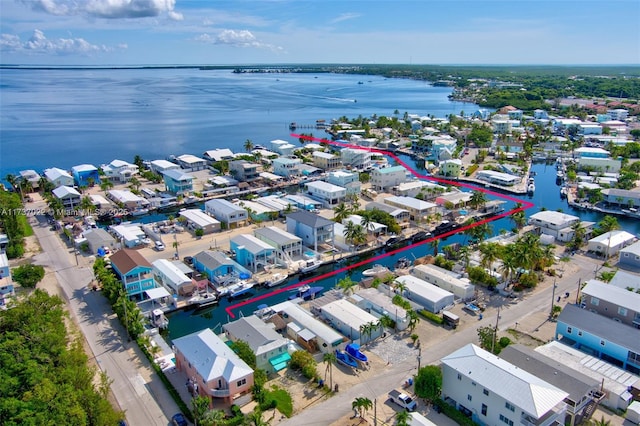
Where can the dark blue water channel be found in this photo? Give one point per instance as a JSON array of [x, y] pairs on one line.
[[547, 196]]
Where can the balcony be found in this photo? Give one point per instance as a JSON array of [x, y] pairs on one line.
[[219, 393]]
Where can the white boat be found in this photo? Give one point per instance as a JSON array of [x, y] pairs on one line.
[[158, 319], [563, 192], [139, 212], [376, 270], [310, 265], [240, 289], [276, 279], [531, 187], [204, 299]]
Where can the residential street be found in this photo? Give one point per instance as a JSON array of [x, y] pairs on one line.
[[137, 389]]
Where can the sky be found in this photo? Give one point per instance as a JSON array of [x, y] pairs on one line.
[[239, 32]]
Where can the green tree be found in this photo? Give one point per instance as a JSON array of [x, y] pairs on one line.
[[347, 285], [245, 352], [341, 212], [402, 418], [487, 337], [329, 359], [200, 405], [248, 145], [361, 405], [28, 275], [478, 199], [428, 382]]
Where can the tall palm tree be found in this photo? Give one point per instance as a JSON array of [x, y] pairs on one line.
[[330, 359], [341, 212], [135, 183], [399, 287], [248, 145], [347, 285], [106, 185], [435, 244], [478, 199], [362, 405], [508, 266], [402, 418], [414, 319], [465, 255]]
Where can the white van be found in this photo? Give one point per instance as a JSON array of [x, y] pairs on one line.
[[159, 245]]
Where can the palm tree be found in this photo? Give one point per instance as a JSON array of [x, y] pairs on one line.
[[508, 266], [214, 417], [478, 199], [435, 244], [341, 212], [362, 405], [135, 183], [347, 285], [402, 418], [87, 205], [465, 255], [106, 185], [399, 287], [330, 359], [489, 253], [355, 233], [248, 145], [601, 422], [608, 224], [414, 319]]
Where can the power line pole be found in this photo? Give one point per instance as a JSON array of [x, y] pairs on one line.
[[495, 331], [553, 296]]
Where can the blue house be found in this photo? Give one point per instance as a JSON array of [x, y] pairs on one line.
[[596, 335], [177, 182], [252, 252], [314, 229], [85, 175], [218, 266], [135, 272], [6, 285]]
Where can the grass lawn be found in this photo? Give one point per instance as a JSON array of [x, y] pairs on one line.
[[24, 224], [282, 398]]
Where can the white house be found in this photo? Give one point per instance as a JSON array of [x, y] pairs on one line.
[[68, 195], [348, 180], [386, 178], [127, 198], [418, 210], [446, 280], [373, 300], [610, 243], [281, 147], [556, 224], [494, 392], [129, 234], [351, 320], [226, 212], [328, 193], [287, 245], [58, 177], [220, 154], [498, 178], [286, 167], [358, 159], [191, 162], [431, 297], [119, 171], [161, 166], [172, 278], [269, 347], [197, 219]]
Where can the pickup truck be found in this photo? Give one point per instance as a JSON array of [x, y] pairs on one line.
[[402, 399]]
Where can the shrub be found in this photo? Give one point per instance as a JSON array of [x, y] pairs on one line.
[[504, 342], [399, 300], [28, 275], [431, 316], [453, 414]]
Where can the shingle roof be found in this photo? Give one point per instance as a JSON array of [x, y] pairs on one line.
[[127, 260]]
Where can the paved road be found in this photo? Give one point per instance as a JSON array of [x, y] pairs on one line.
[[137, 389], [376, 388]]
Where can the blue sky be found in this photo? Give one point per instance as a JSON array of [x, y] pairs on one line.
[[148, 32]]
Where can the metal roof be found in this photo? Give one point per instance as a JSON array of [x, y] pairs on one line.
[[277, 235], [261, 337], [613, 294], [170, 271], [348, 313]]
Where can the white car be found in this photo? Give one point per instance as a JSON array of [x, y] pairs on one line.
[[159, 246]]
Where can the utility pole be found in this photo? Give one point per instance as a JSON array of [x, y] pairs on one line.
[[419, 357], [375, 412], [578, 292], [553, 296], [495, 331]]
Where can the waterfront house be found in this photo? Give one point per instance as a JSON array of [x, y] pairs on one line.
[[418, 210], [191, 162], [498, 178], [326, 160], [30, 176], [226, 212], [68, 196], [599, 336], [374, 228], [172, 278], [218, 266], [218, 372], [269, 347], [415, 187], [286, 167], [85, 175], [622, 197], [457, 199], [134, 271], [441, 146], [328, 193], [302, 202], [98, 238], [630, 256], [597, 158], [287, 245], [130, 235], [616, 384], [587, 129], [583, 390], [557, 224], [244, 171], [127, 199], [161, 166], [431, 297], [450, 168], [7, 290], [307, 331], [355, 159], [58, 177], [351, 321], [493, 391], [314, 229], [252, 252], [610, 243], [447, 280], [373, 300], [177, 182], [386, 178], [620, 114], [197, 219], [401, 216], [283, 148], [258, 211], [613, 302], [119, 171], [219, 154], [346, 179], [626, 280], [275, 203]]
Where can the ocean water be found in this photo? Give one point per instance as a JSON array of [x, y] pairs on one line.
[[62, 118]]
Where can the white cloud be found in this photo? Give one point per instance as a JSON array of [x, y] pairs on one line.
[[110, 9], [40, 44], [237, 38], [345, 17]]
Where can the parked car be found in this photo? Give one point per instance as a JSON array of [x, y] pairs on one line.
[[188, 260], [179, 419], [159, 245]]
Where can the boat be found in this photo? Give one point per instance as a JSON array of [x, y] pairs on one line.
[[158, 319], [276, 279], [376, 270], [474, 309], [402, 263], [305, 292], [531, 186], [310, 265], [240, 289], [139, 212], [202, 300], [345, 359], [444, 227], [292, 125], [353, 350], [563, 192]]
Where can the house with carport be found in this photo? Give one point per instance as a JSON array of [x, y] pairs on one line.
[[219, 154], [68, 196], [191, 162], [218, 372], [134, 271], [252, 252], [167, 274], [419, 210], [610, 243], [315, 230], [352, 321], [197, 219], [269, 347], [493, 391], [401, 216], [329, 194], [244, 171], [326, 160], [218, 266], [119, 171], [286, 167], [287, 246], [226, 212], [161, 166], [307, 331]]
